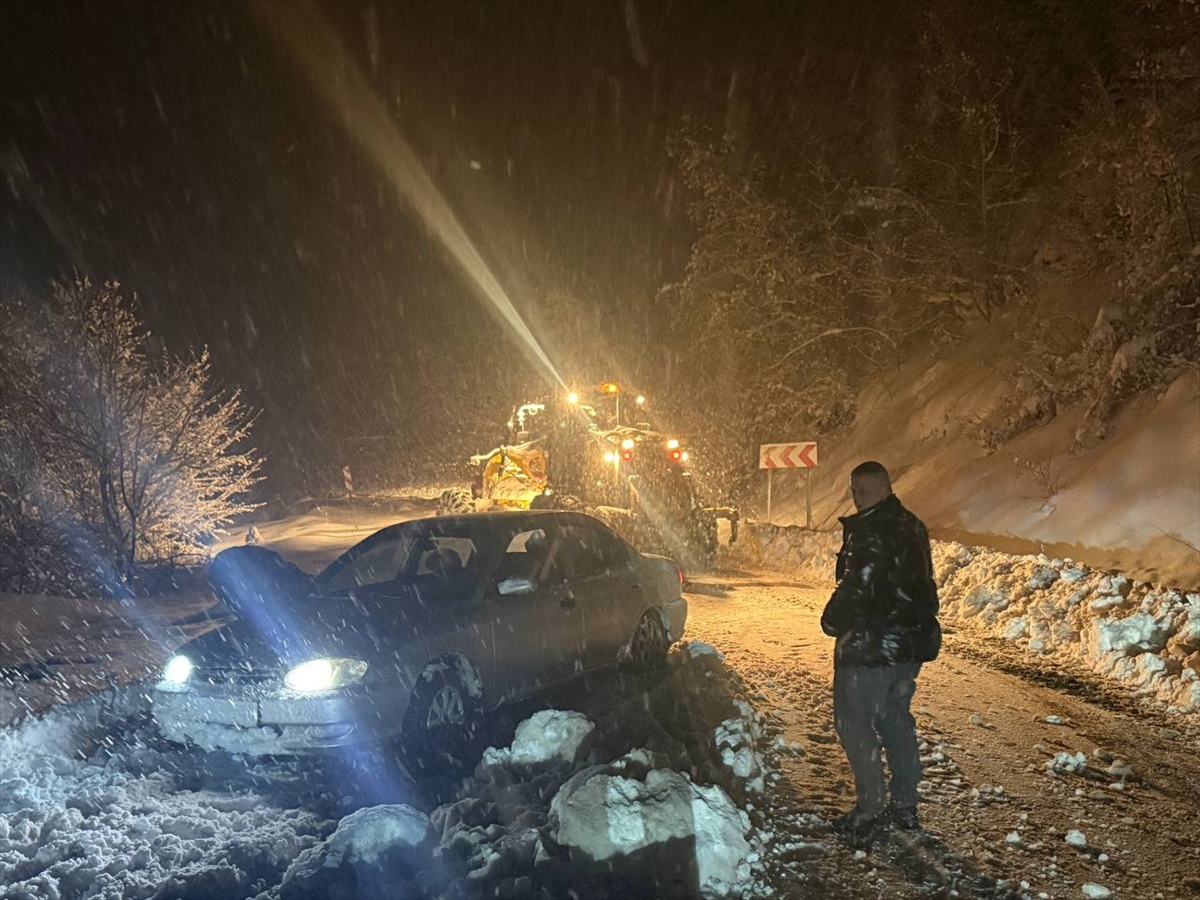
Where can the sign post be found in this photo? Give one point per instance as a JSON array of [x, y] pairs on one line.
[[796, 455], [348, 480], [808, 498], [769, 471]]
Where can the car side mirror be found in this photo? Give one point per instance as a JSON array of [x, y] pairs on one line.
[[515, 586]]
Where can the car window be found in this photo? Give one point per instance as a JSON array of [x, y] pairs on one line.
[[584, 553], [380, 560], [445, 555], [613, 551], [525, 556]]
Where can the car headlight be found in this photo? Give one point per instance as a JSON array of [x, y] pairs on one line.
[[325, 674], [178, 669]]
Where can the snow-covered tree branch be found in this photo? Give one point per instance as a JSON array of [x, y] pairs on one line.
[[130, 457]]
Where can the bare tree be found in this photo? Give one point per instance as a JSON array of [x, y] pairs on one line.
[[133, 456]]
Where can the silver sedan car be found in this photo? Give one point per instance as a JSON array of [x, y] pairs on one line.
[[413, 634]]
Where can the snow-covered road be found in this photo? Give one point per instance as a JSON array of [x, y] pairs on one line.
[[996, 809]]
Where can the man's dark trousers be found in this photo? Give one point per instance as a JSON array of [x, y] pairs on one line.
[[871, 713]]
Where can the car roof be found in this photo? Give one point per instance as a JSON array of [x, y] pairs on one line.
[[472, 522], [508, 515]]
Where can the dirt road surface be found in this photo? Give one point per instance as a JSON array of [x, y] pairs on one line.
[[997, 818]]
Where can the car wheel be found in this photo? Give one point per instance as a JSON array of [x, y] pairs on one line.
[[441, 725], [648, 649], [455, 502]]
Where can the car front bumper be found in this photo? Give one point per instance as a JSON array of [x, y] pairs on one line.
[[265, 724]]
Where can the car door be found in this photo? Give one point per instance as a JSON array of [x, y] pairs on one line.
[[605, 587], [537, 623]]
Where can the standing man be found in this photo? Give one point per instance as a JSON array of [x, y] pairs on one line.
[[883, 613]]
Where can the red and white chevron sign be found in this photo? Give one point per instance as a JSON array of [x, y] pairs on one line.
[[800, 455]]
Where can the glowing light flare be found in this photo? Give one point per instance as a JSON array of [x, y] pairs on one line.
[[610, 387], [178, 669], [627, 444], [324, 674], [572, 398], [684, 456], [640, 400], [337, 80], [672, 443]]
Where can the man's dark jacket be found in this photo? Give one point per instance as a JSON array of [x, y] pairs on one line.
[[884, 609]]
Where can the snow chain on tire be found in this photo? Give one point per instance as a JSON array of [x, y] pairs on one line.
[[455, 502]]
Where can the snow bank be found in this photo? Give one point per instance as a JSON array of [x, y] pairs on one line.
[[805, 554], [1141, 636], [77, 820]]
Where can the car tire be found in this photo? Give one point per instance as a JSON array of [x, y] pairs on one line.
[[455, 502], [442, 724], [649, 644]]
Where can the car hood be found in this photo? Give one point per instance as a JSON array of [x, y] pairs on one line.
[[281, 632], [280, 619]]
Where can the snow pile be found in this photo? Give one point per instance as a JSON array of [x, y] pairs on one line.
[[1142, 636], [635, 799], [76, 824], [548, 736], [375, 852]]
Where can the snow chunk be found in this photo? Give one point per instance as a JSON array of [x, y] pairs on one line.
[[697, 649], [372, 853], [1139, 633], [1016, 629], [611, 819], [1094, 891], [1066, 762], [1076, 839], [737, 739], [548, 736], [1042, 577]]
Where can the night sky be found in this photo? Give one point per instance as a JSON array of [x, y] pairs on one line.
[[177, 148]]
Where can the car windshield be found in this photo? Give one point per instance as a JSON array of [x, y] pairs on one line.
[[411, 551]]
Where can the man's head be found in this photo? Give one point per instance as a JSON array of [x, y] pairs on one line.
[[869, 484]]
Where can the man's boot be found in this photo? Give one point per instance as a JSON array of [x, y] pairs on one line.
[[903, 817], [857, 828]]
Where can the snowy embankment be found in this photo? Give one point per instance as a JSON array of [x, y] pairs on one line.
[[1141, 636], [649, 790]]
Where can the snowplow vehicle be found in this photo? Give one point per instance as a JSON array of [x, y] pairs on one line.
[[581, 452]]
